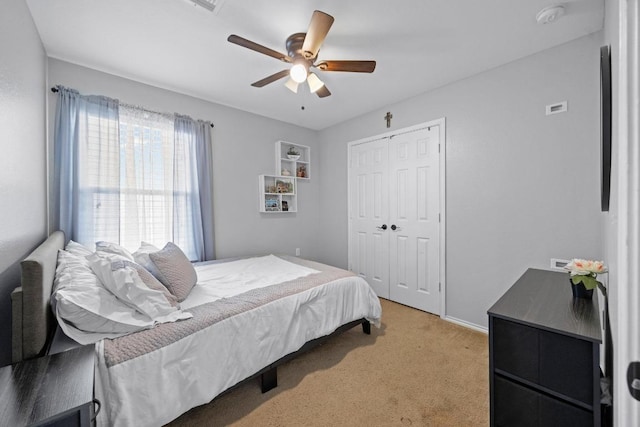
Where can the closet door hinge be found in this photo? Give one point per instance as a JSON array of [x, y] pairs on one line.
[[439, 219], [439, 287]]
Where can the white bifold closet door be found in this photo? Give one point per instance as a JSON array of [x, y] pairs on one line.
[[394, 240]]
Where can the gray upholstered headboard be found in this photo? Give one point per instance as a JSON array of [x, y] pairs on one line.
[[33, 321]]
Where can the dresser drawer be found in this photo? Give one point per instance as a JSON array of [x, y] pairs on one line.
[[557, 362], [566, 366], [515, 349], [519, 406]]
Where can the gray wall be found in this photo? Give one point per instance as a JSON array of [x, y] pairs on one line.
[[243, 147], [22, 144], [521, 187]]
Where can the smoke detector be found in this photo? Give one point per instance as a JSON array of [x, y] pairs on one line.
[[550, 14]]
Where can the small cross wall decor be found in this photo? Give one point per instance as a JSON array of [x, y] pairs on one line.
[[388, 118]]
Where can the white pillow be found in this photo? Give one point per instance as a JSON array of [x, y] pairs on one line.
[[85, 310], [148, 279], [69, 264], [141, 256], [77, 249], [114, 251], [125, 283]]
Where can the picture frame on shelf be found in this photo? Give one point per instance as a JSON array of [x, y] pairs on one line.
[[271, 204], [285, 206]]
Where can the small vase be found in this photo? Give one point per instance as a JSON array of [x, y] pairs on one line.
[[579, 291]]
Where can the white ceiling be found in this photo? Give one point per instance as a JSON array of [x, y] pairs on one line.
[[419, 45]]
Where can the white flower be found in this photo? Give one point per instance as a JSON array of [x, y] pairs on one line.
[[583, 267], [585, 272]]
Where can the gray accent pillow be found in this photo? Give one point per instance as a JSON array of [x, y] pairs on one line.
[[175, 270]]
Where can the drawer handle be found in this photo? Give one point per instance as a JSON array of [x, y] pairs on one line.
[[97, 403]]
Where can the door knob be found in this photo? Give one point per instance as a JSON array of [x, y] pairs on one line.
[[383, 227], [395, 227]]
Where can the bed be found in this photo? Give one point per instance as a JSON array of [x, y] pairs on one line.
[[153, 376]]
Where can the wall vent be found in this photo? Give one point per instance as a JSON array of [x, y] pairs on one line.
[[558, 264], [558, 107], [211, 5]]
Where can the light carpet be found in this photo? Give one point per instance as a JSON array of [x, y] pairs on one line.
[[417, 369]]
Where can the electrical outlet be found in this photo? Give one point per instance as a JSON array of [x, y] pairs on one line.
[[297, 251]]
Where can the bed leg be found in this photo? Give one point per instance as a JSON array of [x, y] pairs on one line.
[[366, 327], [269, 379]]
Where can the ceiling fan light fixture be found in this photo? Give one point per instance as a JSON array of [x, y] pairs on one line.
[[314, 83], [302, 53], [299, 71], [292, 85]]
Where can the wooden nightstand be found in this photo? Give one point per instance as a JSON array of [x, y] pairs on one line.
[[55, 390]]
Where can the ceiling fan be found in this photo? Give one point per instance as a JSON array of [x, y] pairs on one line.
[[302, 49]]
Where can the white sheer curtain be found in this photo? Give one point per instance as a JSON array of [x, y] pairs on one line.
[[159, 187], [146, 171]]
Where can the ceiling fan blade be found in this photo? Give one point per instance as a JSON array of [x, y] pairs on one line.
[[272, 78], [240, 41], [351, 66], [323, 92], [318, 29]]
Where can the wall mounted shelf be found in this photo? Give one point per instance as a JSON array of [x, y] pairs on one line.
[[298, 167], [277, 194]]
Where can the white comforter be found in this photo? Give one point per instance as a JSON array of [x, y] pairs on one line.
[[155, 388], [227, 279]]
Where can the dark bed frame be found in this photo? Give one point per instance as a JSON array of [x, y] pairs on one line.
[[35, 331], [269, 375]]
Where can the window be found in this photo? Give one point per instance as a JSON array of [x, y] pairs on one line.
[[146, 178], [127, 175]]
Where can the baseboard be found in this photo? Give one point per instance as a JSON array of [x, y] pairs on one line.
[[466, 324]]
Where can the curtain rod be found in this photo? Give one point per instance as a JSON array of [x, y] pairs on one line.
[[55, 90]]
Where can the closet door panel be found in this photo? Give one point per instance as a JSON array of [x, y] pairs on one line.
[[368, 242], [413, 211]]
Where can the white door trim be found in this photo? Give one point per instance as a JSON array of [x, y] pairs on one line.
[[441, 158], [626, 340]]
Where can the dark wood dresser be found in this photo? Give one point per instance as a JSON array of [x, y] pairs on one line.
[[544, 354]]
